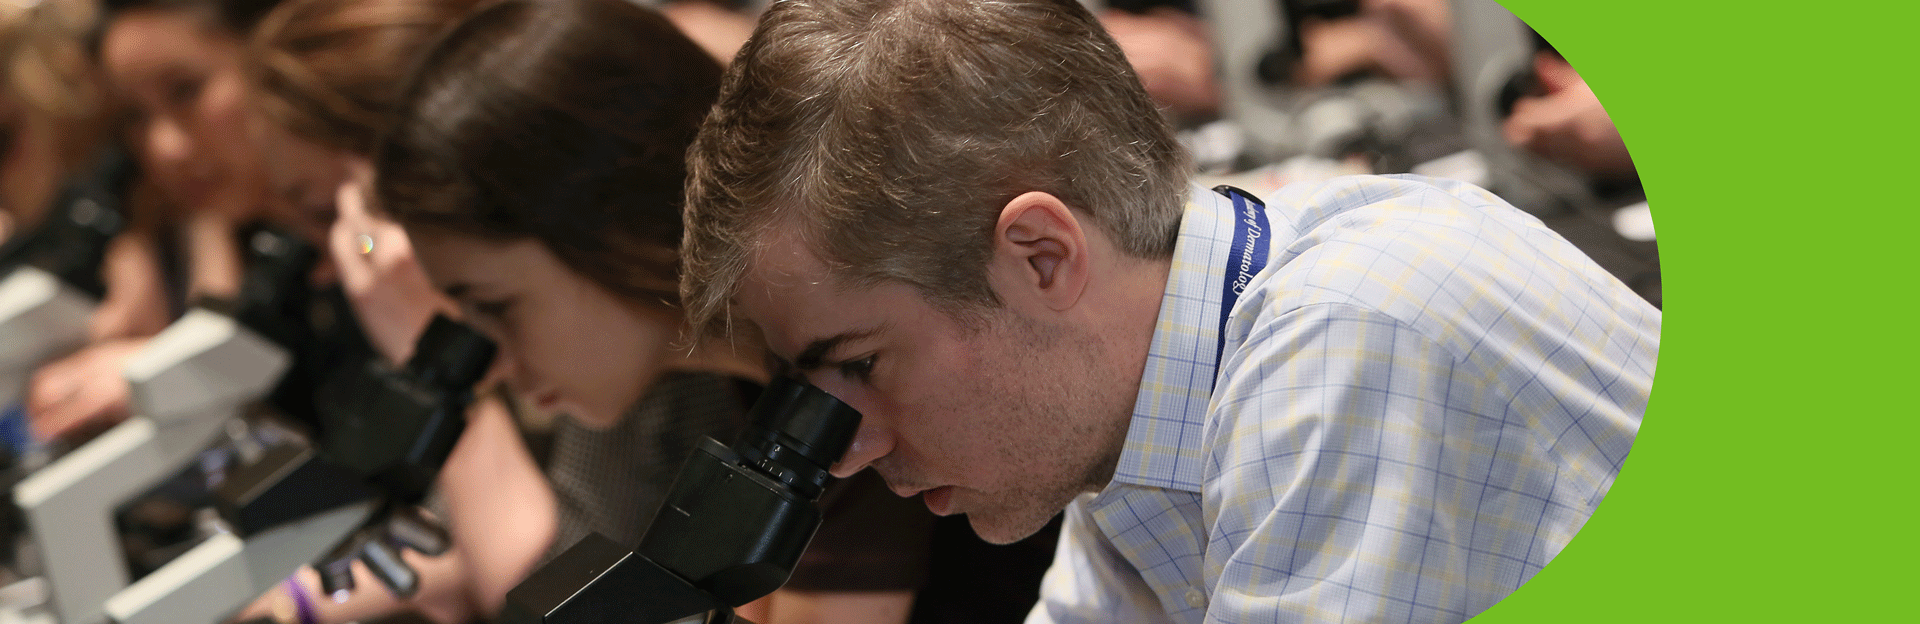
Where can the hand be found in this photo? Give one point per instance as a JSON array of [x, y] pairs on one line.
[[135, 304], [718, 30], [1173, 55], [1403, 40], [84, 392], [1568, 124], [215, 261], [390, 293]]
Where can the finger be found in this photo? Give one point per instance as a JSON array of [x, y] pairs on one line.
[[1555, 73], [1523, 125], [50, 386], [344, 247], [1336, 48], [351, 198], [59, 421]]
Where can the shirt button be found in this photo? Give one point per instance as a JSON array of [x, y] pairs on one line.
[[1196, 599]]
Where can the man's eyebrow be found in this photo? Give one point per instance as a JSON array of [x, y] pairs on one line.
[[456, 289], [811, 356]]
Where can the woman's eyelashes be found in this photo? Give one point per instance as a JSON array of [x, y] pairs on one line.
[[323, 214], [181, 92], [491, 310]]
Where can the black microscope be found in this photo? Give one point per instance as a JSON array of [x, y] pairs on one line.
[[730, 531]]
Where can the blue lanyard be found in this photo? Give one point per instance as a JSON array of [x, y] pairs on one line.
[[1244, 260]]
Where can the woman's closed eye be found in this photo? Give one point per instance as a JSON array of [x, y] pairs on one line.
[[181, 92], [491, 310]]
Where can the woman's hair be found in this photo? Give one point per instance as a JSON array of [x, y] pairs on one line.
[[330, 70], [47, 79], [566, 121], [235, 17], [45, 66]]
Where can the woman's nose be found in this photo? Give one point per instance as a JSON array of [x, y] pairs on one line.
[[167, 144], [504, 370]]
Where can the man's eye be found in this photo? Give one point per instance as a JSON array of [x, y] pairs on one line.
[[861, 369]]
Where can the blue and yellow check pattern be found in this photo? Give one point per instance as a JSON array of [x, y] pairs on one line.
[[1420, 401]]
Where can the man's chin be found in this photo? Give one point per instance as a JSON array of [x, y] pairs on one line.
[[1005, 528]]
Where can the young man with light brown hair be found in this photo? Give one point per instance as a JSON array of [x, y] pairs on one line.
[[1381, 399]]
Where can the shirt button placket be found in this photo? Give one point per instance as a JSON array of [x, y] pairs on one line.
[[1196, 599]]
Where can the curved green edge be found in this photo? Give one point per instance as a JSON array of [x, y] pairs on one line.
[[1773, 478]]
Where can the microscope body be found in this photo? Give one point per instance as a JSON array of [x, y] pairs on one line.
[[718, 493], [41, 317], [396, 427], [267, 540], [731, 530]]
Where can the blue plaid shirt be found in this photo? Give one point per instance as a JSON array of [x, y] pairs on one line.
[[1418, 402]]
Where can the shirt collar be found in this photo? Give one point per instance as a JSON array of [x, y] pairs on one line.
[[1164, 442]]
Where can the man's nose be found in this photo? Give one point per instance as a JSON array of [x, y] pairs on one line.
[[870, 443]]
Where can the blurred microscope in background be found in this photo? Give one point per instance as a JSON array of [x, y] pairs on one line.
[[1307, 90], [49, 286], [266, 436]]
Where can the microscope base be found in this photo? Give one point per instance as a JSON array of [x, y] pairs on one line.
[[69, 505], [224, 573]]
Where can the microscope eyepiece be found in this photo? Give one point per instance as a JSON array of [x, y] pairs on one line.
[[796, 433], [730, 531], [397, 427], [450, 355], [274, 293]]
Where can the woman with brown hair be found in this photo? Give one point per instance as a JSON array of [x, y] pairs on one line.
[[173, 67], [53, 109], [55, 116], [324, 77], [537, 161]]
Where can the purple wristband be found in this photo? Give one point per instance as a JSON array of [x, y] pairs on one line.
[[302, 605]]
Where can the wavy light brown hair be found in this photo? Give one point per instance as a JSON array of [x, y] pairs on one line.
[[57, 111], [890, 133], [330, 71], [562, 120]]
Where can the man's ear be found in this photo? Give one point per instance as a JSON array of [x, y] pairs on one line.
[[1040, 253]]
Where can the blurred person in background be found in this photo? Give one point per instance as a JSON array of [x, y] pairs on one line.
[[1411, 40], [174, 66], [1403, 40], [1564, 122], [56, 114], [53, 112], [1172, 51]]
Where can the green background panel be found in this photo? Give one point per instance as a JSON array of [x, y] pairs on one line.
[[1773, 478]]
